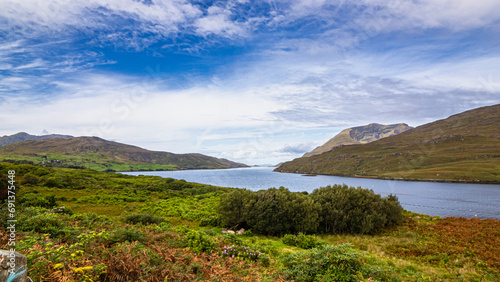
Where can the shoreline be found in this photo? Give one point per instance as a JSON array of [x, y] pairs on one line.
[[401, 179]]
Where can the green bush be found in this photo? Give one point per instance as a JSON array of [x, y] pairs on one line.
[[355, 210], [91, 219], [307, 241], [200, 242], [331, 209], [327, 263], [52, 182], [30, 179], [34, 199], [44, 222], [289, 239], [212, 220], [126, 234], [144, 219], [301, 241]]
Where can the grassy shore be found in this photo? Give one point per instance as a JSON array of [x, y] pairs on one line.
[[84, 225]]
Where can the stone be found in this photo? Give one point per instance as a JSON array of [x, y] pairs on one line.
[[13, 260]]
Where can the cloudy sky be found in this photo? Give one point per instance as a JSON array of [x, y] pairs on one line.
[[252, 81]]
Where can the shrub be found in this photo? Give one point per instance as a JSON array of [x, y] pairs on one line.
[[355, 210], [289, 239], [327, 263], [144, 219], [56, 225], [30, 179], [52, 182], [307, 241], [34, 199], [212, 220], [126, 234], [200, 242], [91, 219], [301, 241]]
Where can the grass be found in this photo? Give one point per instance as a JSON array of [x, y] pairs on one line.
[[89, 161], [94, 243]]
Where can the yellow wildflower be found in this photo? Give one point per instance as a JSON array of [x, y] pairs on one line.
[[82, 269]]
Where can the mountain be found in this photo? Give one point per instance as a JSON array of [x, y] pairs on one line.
[[101, 154], [22, 136], [464, 148], [360, 135]]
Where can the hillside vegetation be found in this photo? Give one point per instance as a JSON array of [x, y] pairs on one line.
[[464, 147], [100, 154], [83, 225], [360, 135]]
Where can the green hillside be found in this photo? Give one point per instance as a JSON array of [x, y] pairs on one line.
[[100, 154], [464, 147], [360, 135]]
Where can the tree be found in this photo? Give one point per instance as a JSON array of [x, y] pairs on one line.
[[355, 210], [304, 213], [234, 208], [270, 214]]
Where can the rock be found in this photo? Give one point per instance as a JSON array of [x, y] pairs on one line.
[[10, 261], [240, 232], [230, 232]]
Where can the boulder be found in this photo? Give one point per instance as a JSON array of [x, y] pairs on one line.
[[13, 262]]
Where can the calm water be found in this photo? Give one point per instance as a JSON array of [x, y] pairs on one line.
[[441, 199]]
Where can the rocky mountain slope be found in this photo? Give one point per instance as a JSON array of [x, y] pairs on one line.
[[360, 135]]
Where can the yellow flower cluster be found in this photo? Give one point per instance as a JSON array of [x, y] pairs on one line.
[[82, 269]]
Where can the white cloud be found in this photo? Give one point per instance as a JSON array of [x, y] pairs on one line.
[[427, 14], [60, 14], [218, 22]]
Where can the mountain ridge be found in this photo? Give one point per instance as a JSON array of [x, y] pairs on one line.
[[360, 135], [22, 136], [464, 147], [83, 150]]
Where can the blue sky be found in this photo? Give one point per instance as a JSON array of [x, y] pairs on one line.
[[253, 81]]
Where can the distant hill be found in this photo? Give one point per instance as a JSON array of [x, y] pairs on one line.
[[100, 154], [22, 136], [360, 135], [464, 147]]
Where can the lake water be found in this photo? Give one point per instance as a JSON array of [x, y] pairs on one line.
[[435, 199]]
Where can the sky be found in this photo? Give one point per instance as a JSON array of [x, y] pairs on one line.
[[258, 82]]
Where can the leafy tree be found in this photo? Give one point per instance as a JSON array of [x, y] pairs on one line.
[[271, 212], [234, 208], [303, 213], [355, 210]]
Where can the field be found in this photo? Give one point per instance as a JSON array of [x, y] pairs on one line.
[[83, 225], [89, 161]]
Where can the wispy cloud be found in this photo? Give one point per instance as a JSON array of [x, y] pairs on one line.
[[241, 78]]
